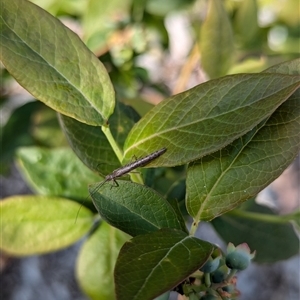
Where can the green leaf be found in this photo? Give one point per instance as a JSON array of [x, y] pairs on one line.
[[91, 145], [221, 181], [216, 40], [56, 172], [37, 224], [96, 262], [134, 208], [151, 264], [291, 67], [271, 236], [122, 121], [53, 64], [178, 192], [208, 117]]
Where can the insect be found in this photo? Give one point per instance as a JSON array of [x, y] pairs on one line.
[[141, 162]]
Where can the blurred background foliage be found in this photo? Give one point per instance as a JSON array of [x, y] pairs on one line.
[[153, 49]]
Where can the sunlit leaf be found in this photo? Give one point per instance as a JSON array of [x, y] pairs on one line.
[[53, 64], [208, 117], [221, 181], [38, 224]]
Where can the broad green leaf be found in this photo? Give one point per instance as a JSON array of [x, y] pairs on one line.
[[216, 40], [291, 67], [271, 236], [208, 117], [55, 172], [38, 224], [151, 264], [221, 181], [96, 262], [53, 64], [134, 208], [91, 145]]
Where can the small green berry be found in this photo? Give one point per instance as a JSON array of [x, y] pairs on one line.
[[239, 257], [211, 265], [220, 274]]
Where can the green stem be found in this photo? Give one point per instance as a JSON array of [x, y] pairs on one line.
[[194, 227], [135, 177], [207, 279], [113, 143], [258, 216], [231, 274]]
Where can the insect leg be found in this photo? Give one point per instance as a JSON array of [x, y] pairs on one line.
[[115, 184]]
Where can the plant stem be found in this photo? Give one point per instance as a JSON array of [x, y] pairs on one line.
[[194, 227], [207, 279], [113, 143], [231, 274], [258, 216], [135, 177]]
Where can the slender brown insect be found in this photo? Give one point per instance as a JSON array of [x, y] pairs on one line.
[[128, 168], [141, 162]]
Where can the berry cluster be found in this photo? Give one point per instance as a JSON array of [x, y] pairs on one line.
[[216, 279]]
